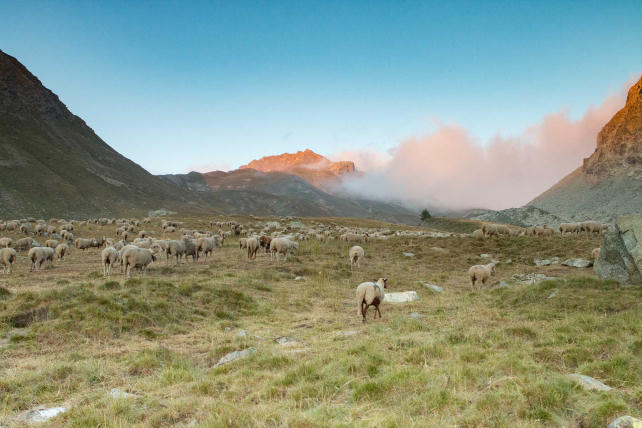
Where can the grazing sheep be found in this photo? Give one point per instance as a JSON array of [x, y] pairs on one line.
[[478, 234], [253, 245], [109, 257], [84, 244], [370, 294], [596, 255], [175, 249], [265, 240], [356, 253], [243, 243], [24, 244], [61, 251], [190, 250], [41, 229], [7, 259], [490, 230], [481, 273], [51, 243], [281, 246], [544, 231], [565, 228], [5, 242], [25, 228], [67, 236], [206, 246], [40, 255], [138, 258]]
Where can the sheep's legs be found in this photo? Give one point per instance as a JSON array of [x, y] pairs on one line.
[[377, 311]]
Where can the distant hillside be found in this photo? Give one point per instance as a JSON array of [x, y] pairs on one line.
[[609, 184], [312, 167], [53, 164]]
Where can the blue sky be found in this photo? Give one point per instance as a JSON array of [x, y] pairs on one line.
[[174, 85]]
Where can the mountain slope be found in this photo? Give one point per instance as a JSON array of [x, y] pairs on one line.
[[52, 163], [609, 184]]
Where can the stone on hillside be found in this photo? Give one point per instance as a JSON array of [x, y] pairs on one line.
[[401, 297], [117, 393], [540, 262], [241, 333], [502, 284], [439, 250], [531, 278], [625, 422], [288, 341], [578, 263], [409, 254], [299, 278], [42, 415], [590, 383], [434, 288], [236, 355], [416, 315], [485, 256], [621, 252], [347, 333]]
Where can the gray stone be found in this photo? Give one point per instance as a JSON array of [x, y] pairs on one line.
[[577, 263], [589, 383], [553, 294], [502, 284], [401, 297], [485, 256], [540, 262], [288, 341], [236, 355], [439, 250], [117, 393], [625, 422], [42, 415], [409, 254], [299, 278], [347, 333], [621, 252], [241, 333], [416, 315], [531, 278], [434, 288]]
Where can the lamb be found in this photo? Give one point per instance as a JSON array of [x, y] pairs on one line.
[[40, 255], [5, 242], [281, 246], [370, 294], [478, 234], [61, 250], [7, 259], [137, 258], [481, 273], [355, 253], [67, 236], [253, 245], [109, 257], [51, 243]]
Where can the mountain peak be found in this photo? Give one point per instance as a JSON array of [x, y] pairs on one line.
[[619, 143]]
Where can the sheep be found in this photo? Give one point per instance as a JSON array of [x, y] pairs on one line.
[[120, 254], [544, 231], [25, 228], [565, 228], [7, 259], [205, 246], [478, 234], [109, 256], [243, 243], [253, 245], [596, 255], [143, 234], [98, 242], [40, 255], [370, 294], [356, 253], [265, 240], [6, 242], [61, 250], [281, 246], [41, 229], [67, 236], [481, 273], [137, 258], [51, 243], [84, 244], [24, 244], [490, 230], [190, 250], [175, 249]]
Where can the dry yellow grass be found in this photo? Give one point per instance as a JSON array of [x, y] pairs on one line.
[[492, 357]]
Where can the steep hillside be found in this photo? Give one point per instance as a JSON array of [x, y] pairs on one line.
[[609, 184], [53, 164]]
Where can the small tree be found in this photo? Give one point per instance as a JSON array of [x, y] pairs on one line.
[[425, 215]]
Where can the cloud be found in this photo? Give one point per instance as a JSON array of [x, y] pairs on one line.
[[209, 167], [450, 170]]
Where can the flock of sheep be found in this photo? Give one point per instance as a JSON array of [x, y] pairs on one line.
[[133, 247]]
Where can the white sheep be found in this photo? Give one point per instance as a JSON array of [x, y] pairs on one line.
[[281, 246], [478, 234], [7, 259], [175, 249], [370, 294], [356, 253], [137, 258], [61, 250], [253, 245], [109, 257], [5, 242], [40, 255], [481, 273]]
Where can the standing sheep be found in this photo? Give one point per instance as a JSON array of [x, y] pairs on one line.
[[370, 294], [7, 259], [281, 246], [478, 234], [356, 253], [137, 258], [109, 257], [596, 255], [5, 242], [175, 249], [51, 243], [61, 251], [481, 273], [40, 255], [253, 245]]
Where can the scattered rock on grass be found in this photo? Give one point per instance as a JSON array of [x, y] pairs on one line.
[[578, 263], [540, 262], [434, 288], [117, 393], [347, 333], [42, 415], [401, 297], [531, 278], [625, 422], [589, 383], [416, 315], [299, 278], [409, 254], [241, 333], [236, 355], [288, 341]]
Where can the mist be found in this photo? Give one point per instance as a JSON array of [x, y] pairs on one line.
[[450, 170]]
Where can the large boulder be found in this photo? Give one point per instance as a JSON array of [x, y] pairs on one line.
[[621, 252]]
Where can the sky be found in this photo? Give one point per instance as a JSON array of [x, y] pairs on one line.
[[183, 85]]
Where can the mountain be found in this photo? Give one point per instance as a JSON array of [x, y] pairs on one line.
[[310, 166], [53, 164], [609, 183]]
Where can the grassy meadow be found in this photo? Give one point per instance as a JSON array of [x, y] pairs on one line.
[[492, 357]]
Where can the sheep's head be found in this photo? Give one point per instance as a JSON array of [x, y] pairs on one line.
[[491, 266], [383, 282], [153, 257]]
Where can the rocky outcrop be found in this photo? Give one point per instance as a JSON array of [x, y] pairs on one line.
[[621, 252]]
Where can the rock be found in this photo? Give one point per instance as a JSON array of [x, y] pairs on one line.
[[502, 284], [508, 261], [531, 278], [578, 263], [401, 297], [241, 333], [228, 328], [553, 294], [621, 252], [117, 393], [485, 256], [236, 355], [288, 341], [297, 225], [589, 383], [299, 278], [540, 262], [439, 250], [555, 261], [409, 254], [347, 333], [416, 315], [42, 415], [625, 422], [434, 288]]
